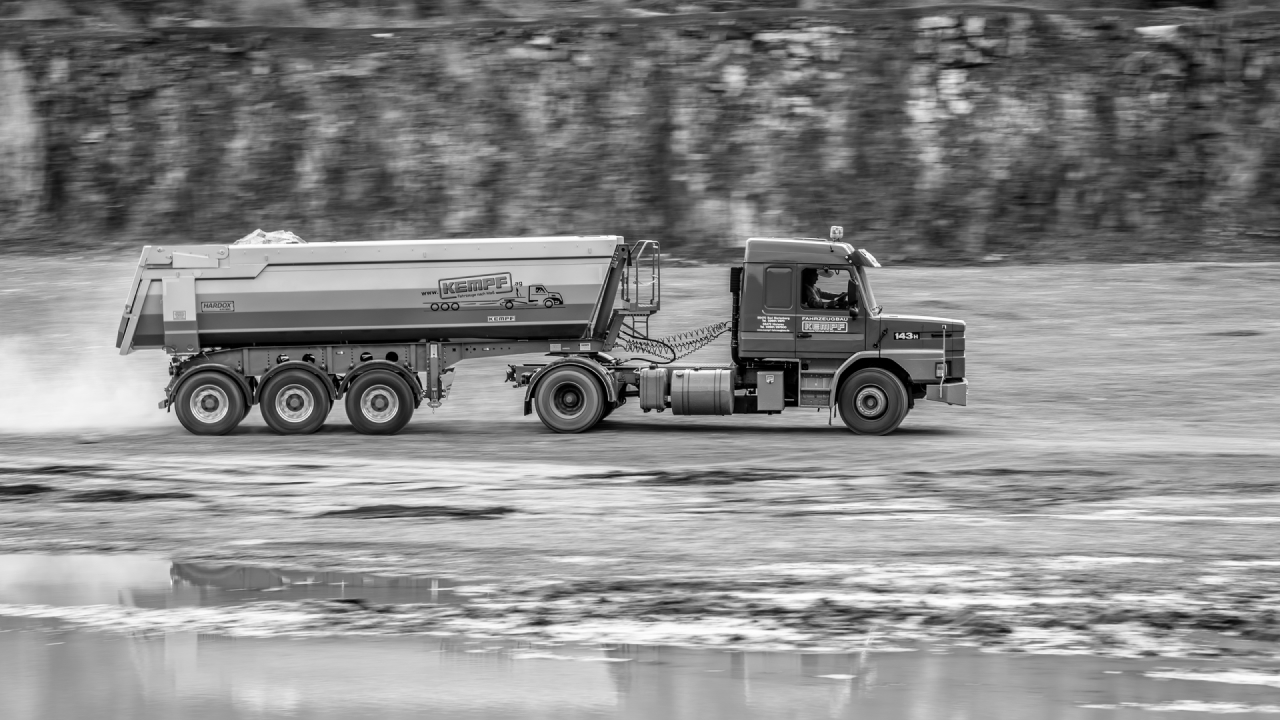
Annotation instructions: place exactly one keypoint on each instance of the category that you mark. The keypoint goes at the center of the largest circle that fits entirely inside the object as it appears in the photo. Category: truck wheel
(379, 402)
(549, 303)
(569, 400)
(873, 402)
(507, 304)
(210, 403)
(294, 402)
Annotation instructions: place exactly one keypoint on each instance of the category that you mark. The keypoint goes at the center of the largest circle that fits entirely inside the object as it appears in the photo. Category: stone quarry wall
(947, 134)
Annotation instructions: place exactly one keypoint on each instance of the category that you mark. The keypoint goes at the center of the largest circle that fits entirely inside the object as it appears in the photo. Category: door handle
(804, 335)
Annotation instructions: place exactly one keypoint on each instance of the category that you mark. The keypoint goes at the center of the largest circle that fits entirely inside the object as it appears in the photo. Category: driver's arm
(834, 300)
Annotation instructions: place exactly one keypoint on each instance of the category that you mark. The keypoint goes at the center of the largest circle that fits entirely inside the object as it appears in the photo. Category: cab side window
(828, 289)
(777, 288)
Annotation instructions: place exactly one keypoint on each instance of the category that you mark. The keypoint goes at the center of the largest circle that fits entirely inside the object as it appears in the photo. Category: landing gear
(210, 403)
(873, 402)
(569, 400)
(295, 402)
(379, 402)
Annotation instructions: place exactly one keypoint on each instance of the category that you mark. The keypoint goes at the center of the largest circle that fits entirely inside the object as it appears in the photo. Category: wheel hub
(379, 404)
(209, 404)
(871, 402)
(568, 400)
(295, 403)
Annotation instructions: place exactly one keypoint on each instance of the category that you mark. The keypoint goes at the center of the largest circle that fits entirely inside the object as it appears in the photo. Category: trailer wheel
(210, 403)
(569, 400)
(873, 402)
(295, 402)
(379, 402)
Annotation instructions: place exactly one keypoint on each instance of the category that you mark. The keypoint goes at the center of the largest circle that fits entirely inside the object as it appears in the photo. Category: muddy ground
(1112, 488)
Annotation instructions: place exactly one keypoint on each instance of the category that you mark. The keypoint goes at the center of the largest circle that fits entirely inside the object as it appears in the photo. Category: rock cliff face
(958, 133)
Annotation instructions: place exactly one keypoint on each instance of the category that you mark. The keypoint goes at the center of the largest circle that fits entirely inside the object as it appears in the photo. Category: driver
(812, 297)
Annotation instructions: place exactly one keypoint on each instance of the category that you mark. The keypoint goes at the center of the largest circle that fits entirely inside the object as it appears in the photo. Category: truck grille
(954, 354)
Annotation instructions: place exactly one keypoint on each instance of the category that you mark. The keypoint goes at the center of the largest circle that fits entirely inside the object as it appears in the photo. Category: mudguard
(368, 365)
(610, 387)
(299, 364)
(250, 397)
(840, 373)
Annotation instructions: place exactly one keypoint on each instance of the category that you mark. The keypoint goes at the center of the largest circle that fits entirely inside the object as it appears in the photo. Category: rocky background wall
(960, 133)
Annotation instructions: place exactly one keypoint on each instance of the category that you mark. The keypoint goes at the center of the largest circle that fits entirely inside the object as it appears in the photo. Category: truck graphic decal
(476, 286)
(492, 291)
(823, 325)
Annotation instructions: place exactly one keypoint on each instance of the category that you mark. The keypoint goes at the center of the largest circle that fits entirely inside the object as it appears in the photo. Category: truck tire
(294, 402)
(569, 399)
(873, 402)
(210, 403)
(379, 402)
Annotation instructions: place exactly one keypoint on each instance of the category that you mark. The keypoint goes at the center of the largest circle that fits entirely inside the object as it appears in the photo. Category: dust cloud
(62, 372)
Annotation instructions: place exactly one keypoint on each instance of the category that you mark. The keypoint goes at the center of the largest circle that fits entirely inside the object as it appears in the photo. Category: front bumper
(952, 392)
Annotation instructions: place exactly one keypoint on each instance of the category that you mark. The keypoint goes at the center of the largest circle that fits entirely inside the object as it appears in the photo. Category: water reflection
(227, 584)
(51, 672)
(80, 579)
(144, 581)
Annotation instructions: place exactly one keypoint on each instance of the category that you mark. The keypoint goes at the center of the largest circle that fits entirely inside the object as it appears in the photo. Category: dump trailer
(382, 326)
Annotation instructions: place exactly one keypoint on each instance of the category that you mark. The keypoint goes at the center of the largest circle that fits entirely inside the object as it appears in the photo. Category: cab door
(831, 332)
(768, 313)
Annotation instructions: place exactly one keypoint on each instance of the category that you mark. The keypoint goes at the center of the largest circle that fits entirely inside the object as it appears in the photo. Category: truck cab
(532, 295)
(539, 295)
(805, 312)
(806, 332)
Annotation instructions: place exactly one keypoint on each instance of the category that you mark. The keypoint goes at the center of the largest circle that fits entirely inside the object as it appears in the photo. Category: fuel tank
(187, 297)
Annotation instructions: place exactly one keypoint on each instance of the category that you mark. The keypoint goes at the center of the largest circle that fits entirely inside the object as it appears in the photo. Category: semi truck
(382, 326)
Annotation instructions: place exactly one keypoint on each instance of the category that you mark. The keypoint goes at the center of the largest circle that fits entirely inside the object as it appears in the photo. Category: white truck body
(185, 298)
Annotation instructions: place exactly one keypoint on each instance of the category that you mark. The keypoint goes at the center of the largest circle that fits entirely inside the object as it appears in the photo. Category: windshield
(870, 297)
